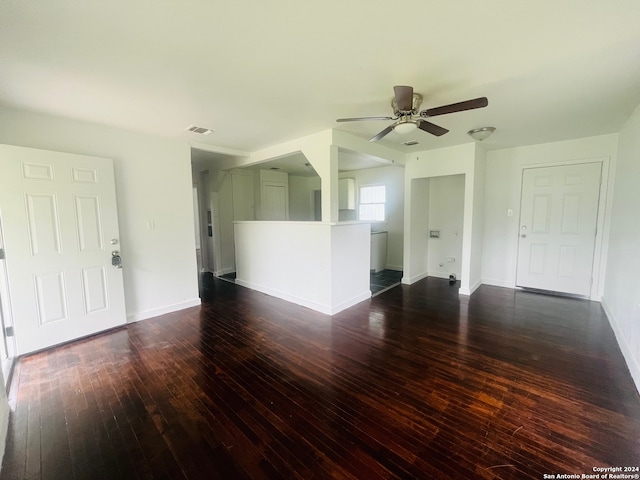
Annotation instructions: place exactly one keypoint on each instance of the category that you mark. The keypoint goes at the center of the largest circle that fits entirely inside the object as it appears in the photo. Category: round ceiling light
(481, 134)
(404, 128)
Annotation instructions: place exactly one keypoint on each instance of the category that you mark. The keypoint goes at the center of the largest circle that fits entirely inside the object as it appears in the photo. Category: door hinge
(1, 253)
(8, 332)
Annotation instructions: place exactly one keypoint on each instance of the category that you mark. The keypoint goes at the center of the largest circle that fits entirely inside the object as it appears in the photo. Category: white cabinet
(346, 194)
(378, 251)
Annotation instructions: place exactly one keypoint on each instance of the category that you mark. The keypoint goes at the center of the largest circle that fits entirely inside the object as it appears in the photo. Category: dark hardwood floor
(416, 383)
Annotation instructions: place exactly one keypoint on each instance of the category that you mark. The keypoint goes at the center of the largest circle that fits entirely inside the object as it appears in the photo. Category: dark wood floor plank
(416, 383)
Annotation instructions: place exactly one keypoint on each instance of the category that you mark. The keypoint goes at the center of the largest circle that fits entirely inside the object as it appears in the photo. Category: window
(372, 199)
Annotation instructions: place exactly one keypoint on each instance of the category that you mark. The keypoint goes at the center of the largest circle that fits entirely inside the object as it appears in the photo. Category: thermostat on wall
(434, 233)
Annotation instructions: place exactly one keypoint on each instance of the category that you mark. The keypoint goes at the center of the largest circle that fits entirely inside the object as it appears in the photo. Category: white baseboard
(498, 283)
(411, 280)
(397, 268)
(438, 275)
(350, 302)
(475, 286)
(156, 312)
(633, 363)
(469, 291)
(318, 307)
(224, 271)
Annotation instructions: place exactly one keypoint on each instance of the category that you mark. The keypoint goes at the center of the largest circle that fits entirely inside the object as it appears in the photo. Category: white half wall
(320, 265)
(155, 204)
(621, 298)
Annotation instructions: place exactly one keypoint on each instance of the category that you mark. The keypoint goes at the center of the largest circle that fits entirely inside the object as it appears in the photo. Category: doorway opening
(446, 222)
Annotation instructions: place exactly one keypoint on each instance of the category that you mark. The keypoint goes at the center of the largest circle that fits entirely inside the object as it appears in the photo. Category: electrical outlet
(451, 259)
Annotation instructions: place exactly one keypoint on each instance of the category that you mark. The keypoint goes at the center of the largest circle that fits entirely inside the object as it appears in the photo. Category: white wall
(477, 239)
(301, 201)
(222, 208)
(350, 261)
(503, 186)
(393, 179)
(416, 244)
(153, 184)
(320, 265)
(446, 214)
(621, 298)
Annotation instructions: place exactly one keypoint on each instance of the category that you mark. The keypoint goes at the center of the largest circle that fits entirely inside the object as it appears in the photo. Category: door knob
(523, 235)
(116, 259)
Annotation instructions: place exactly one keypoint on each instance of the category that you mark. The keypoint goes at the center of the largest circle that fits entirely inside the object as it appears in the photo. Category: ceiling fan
(406, 117)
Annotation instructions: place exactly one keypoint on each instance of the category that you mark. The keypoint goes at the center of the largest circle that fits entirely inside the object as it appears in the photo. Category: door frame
(8, 349)
(602, 223)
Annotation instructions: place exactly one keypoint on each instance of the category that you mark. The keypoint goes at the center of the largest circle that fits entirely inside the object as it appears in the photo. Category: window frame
(383, 203)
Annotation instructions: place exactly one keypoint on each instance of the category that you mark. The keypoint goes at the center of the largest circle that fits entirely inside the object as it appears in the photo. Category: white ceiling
(264, 72)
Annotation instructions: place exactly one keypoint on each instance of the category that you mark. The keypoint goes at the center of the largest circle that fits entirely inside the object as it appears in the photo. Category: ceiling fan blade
(382, 133)
(432, 128)
(404, 97)
(456, 107)
(357, 119)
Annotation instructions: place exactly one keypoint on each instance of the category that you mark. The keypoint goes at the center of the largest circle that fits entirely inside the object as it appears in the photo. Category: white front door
(558, 215)
(60, 230)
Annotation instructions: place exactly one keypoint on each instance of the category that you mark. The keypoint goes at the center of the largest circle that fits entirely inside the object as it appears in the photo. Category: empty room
(351, 240)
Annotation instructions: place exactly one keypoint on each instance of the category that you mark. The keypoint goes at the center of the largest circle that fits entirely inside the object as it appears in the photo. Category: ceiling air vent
(410, 143)
(201, 130)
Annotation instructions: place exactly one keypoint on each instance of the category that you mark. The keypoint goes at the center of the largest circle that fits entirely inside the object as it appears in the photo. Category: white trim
(136, 317)
(224, 271)
(414, 279)
(498, 283)
(350, 302)
(469, 291)
(397, 268)
(633, 363)
(216, 149)
(318, 307)
(439, 275)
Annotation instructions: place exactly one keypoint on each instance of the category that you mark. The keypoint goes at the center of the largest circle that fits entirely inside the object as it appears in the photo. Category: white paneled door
(60, 231)
(275, 201)
(558, 218)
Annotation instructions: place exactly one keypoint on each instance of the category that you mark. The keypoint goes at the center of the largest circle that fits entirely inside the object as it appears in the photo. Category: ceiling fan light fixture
(482, 133)
(405, 128)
